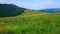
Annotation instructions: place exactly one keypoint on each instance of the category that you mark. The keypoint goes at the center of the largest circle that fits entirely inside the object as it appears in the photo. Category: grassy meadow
(31, 22)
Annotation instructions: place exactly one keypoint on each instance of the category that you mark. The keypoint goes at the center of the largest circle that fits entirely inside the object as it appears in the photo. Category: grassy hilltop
(31, 22)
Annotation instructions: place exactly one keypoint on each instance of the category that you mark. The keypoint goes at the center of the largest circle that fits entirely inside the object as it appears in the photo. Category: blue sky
(34, 4)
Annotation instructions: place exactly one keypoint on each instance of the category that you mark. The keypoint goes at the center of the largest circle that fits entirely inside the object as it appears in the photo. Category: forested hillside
(10, 10)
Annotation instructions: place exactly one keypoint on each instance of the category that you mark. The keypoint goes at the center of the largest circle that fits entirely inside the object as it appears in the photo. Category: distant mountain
(51, 10)
(10, 10)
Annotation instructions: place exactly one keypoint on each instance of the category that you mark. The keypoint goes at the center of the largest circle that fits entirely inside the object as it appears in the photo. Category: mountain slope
(10, 10)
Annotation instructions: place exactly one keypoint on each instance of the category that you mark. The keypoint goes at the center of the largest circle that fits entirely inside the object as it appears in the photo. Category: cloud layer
(34, 4)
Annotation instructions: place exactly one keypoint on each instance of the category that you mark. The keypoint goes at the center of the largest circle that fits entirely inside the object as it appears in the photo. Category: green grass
(39, 24)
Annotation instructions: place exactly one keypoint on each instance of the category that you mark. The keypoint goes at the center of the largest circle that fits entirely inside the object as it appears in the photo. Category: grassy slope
(30, 23)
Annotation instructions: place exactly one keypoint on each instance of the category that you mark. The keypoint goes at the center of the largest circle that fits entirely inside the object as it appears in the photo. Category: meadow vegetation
(31, 22)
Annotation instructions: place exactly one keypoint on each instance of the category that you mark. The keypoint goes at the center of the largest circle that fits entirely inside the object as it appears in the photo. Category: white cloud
(35, 4)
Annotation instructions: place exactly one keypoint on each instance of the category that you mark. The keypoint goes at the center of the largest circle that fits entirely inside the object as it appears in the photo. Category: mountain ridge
(51, 10)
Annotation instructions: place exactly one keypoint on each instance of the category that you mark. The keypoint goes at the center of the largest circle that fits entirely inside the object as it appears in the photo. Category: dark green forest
(7, 10)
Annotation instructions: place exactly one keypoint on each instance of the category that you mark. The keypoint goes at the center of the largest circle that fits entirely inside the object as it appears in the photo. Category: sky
(33, 4)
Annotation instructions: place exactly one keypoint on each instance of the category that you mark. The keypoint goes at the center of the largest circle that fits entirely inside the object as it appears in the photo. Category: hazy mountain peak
(51, 10)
